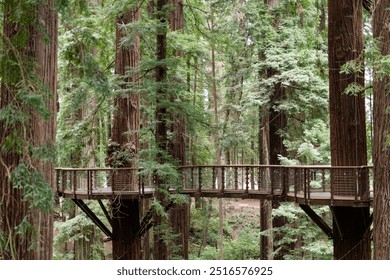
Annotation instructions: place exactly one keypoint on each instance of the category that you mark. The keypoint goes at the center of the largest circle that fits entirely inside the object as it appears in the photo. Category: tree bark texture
(125, 133)
(381, 151)
(179, 214)
(277, 121)
(126, 242)
(266, 242)
(180, 218)
(347, 124)
(37, 131)
(160, 249)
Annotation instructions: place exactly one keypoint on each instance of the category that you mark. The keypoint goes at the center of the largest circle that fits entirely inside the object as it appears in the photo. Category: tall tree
(179, 214)
(277, 122)
(27, 129)
(160, 249)
(125, 134)
(381, 151)
(347, 123)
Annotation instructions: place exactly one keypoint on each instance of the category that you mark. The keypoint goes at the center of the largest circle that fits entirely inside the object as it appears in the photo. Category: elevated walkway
(305, 185)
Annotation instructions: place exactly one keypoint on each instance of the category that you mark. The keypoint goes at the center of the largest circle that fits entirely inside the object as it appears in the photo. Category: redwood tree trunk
(381, 156)
(266, 241)
(277, 122)
(179, 214)
(347, 124)
(39, 57)
(160, 249)
(126, 244)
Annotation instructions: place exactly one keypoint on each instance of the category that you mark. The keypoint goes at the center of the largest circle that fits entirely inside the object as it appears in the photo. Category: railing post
(64, 181)
(235, 168)
(214, 178)
(285, 178)
(112, 180)
(89, 189)
(247, 179)
(222, 179)
(331, 185)
(297, 172)
(253, 171)
(357, 180)
(74, 183)
(192, 178)
(200, 178)
(323, 180)
(139, 179)
(309, 185)
(142, 176)
(305, 184)
(58, 180)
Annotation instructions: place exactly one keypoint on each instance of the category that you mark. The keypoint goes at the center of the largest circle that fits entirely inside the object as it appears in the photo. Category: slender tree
(28, 96)
(160, 249)
(277, 122)
(381, 151)
(179, 214)
(347, 124)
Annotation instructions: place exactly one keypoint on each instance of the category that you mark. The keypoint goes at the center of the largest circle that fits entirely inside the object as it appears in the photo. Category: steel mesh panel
(344, 182)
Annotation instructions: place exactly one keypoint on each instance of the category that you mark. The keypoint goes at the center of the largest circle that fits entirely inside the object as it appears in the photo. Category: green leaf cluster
(35, 189)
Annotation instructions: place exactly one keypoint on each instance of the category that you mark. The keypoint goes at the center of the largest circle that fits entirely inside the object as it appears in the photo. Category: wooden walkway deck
(308, 185)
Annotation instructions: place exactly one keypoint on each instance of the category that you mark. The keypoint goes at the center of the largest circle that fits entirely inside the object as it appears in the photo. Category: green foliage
(79, 228)
(255, 49)
(85, 89)
(35, 189)
(313, 244)
(240, 230)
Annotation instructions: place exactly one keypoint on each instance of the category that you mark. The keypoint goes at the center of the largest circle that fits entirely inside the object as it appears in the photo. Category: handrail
(297, 183)
(222, 165)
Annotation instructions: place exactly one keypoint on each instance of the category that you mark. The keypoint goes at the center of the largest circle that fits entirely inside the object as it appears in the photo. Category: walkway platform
(306, 185)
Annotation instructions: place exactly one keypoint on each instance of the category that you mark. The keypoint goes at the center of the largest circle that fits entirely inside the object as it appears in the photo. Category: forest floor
(232, 207)
(242, 205)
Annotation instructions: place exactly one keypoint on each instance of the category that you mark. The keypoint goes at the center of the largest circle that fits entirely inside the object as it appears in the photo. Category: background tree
(381, 151)
(347, 123)
(82, 120)
(125, 133)
(161, 229)
(179, 214)
(27, 126)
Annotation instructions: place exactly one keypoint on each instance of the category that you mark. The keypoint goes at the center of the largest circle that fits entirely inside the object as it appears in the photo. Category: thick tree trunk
(179, 214)
(381, 155)
(39, 56)
(125, 132)
(347, 123)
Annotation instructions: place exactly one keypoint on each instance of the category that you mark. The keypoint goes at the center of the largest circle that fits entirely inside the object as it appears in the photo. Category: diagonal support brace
(147, 222)
(92, 216)
(109, 219)
(317, 219)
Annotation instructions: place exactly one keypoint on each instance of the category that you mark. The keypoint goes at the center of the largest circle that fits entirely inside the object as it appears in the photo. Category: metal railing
(298, 182)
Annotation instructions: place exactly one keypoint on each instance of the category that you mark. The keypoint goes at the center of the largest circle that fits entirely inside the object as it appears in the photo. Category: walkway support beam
(318, 220)
(92, 216)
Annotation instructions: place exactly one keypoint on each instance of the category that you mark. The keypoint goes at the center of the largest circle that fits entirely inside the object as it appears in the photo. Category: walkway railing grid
(305, 182)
